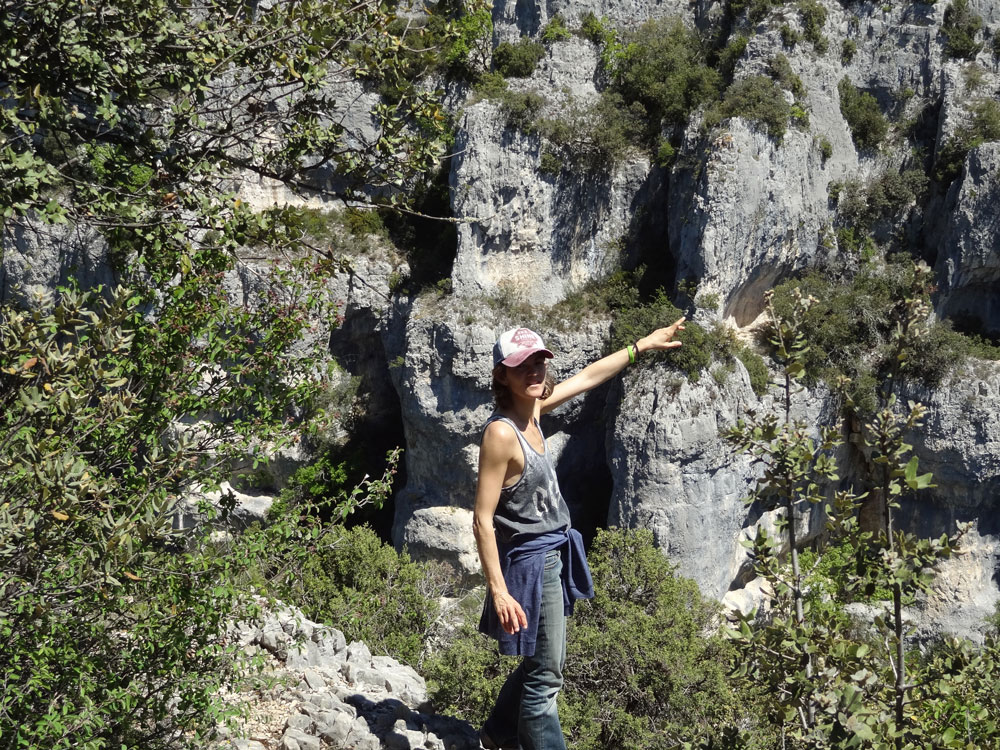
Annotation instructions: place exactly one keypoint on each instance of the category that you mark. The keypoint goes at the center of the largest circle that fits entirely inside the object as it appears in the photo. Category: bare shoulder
(499, 435)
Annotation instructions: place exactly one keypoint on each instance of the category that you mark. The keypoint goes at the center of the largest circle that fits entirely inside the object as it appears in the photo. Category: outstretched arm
(607, 367)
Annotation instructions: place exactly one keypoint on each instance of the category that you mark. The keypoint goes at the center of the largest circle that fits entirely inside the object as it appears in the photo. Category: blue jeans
(525, 713)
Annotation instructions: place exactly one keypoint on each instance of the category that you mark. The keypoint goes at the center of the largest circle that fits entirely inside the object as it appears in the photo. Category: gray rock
(675, 475)
(536, 235)
(336, 729)
(313, 679)
(358, 653)
(968, 262)
(301, 722)
(35, 258)
(293, 739)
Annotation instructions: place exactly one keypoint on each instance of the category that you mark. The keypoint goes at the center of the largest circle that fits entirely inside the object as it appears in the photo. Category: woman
(532, 559)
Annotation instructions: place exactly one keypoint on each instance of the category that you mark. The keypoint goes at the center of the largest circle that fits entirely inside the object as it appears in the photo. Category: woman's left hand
(662, 338)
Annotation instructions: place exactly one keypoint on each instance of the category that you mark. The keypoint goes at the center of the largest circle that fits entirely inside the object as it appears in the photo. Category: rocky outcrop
(529, 234)
(334, 694)
(968, 264)
(675, 474)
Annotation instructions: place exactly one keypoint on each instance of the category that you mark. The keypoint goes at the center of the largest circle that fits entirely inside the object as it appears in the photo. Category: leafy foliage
(830, 686)
(813, 18)
(642, 673)
(362, 586)
(556, 30)
(107, 612)
(861, 111)
(850, 328)
(757, 99)
(662, 67)
(517, 60)
(960, 26)
(983, 127)
(188, 95)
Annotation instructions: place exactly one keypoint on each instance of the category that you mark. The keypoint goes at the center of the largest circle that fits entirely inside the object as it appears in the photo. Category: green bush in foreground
(362, 586)
(643, 670)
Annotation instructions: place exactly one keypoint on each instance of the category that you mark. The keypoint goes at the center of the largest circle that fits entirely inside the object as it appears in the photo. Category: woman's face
(527, 380)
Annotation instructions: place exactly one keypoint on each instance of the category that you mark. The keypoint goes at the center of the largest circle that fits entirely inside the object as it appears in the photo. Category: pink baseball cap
(516, 345)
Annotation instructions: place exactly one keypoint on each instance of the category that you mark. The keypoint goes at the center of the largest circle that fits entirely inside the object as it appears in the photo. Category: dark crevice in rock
(356, 345)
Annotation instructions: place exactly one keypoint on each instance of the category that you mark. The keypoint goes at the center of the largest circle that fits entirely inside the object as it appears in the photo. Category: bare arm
(499, 443)
(607, 367)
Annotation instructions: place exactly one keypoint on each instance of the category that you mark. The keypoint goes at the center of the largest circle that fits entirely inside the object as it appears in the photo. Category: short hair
(501, 391)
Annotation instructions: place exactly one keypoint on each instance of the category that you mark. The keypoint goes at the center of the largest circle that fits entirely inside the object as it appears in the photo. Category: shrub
(730, 55)
(555, 30)
(864, 118)
(825, 148)
(550, 163)
(661, 65)
(596, 136)
(757, 99)
(850, 328)
(960, 26)
(521, 109)
(813, 16)
(781, 71)
(760, 377)
(632, 322)
(595, 29)
(357, 583)
(517, 60)
(113, 622)
(645, 667)
(848, 50)
(789, 36)
(983, 127)
(882, 199)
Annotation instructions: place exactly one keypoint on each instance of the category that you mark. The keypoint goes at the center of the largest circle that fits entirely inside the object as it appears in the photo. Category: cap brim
(522, 354)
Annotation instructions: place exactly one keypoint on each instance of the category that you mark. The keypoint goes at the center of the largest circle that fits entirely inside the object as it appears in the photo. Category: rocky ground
(318, 691)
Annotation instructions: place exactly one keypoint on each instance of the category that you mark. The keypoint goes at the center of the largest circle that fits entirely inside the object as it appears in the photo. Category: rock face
(674, 474)
(969, 263)
(531, 235)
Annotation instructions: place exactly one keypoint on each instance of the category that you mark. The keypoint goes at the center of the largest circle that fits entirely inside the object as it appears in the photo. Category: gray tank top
(533, 504)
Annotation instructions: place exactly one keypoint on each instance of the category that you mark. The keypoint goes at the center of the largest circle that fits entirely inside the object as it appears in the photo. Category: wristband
(630, 349)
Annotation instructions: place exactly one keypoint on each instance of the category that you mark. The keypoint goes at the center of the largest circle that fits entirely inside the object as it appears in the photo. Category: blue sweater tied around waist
(523, 565)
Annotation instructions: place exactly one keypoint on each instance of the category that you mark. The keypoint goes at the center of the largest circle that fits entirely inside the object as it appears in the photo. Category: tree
(140, 119)
(834, 685)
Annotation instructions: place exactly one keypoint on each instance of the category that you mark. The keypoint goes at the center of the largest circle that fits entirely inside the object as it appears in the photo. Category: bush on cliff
(354, 581)
(864, 117)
